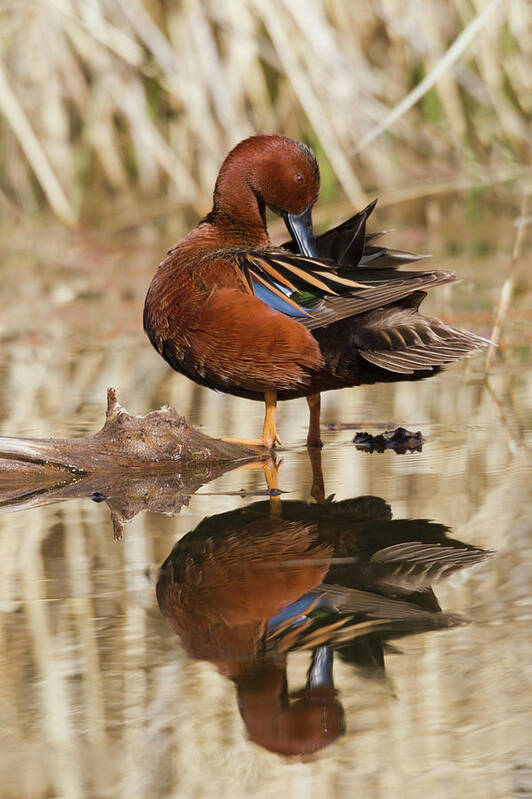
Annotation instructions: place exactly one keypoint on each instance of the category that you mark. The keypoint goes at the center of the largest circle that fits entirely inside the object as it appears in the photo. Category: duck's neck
(237, 209)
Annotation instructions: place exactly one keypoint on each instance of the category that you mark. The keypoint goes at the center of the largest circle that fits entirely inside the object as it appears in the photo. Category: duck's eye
(300, 179)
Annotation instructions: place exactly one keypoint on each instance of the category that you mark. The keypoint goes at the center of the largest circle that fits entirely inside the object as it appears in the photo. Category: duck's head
(296, 723)
(275, 172)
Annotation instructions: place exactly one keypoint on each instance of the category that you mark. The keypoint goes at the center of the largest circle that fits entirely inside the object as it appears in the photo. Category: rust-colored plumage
(238, 315)
(228, 587)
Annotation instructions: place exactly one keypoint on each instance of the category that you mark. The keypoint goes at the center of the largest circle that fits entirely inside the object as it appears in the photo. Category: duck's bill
(300, 228)
(320, 673)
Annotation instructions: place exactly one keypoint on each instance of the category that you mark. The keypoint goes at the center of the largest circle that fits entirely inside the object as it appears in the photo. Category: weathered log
(161, 438)
(152, 462)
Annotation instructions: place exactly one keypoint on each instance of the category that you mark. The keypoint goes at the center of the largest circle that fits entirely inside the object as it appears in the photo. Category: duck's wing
(319, 292)
(351, 254)
(380, 289)
(335, 615)
(343, 599)
(352, 277)
(326, 629)
(391, 334)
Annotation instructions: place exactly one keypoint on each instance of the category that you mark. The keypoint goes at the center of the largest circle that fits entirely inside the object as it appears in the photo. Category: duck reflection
(247, 587)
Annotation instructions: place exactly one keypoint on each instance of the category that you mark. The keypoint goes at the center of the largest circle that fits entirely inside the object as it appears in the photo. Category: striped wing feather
(356, 601)
(284, 297)
(313, 632)
(326, 310)
(295, 272)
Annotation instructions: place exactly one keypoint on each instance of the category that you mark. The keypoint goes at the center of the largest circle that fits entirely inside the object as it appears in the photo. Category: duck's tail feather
(400, 339)
(416, 565)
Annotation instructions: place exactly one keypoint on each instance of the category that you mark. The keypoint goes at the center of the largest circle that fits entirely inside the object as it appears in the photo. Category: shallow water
(100, 697)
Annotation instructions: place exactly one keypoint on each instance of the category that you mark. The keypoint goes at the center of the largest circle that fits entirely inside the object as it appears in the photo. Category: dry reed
(141, 100)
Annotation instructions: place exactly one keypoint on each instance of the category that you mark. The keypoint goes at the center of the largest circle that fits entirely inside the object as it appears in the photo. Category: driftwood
(161, 438)
(153, 462)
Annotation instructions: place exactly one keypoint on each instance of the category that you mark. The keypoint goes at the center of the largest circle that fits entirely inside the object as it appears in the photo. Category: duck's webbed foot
(262, 442)
(269, 438)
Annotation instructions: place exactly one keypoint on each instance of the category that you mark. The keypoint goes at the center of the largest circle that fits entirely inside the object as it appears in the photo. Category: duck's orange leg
(314, 437)
(269, 435)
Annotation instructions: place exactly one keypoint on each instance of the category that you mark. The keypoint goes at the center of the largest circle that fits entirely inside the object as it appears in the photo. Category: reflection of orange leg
(318, 489)
(269, 435)
(270, 469)
(313, 437)
(254, 464)
(271, 473)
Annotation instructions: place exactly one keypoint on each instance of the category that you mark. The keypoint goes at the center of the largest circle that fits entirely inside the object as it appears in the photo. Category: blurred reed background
(120, 112)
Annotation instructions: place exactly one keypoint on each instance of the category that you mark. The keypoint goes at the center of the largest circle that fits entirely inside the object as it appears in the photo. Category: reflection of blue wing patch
(276, 302)
(296, 611)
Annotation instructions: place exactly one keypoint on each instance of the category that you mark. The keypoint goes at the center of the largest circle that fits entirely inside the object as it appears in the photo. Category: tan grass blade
(454, 52)
(18, 120)
(505, 296)
(275, 25)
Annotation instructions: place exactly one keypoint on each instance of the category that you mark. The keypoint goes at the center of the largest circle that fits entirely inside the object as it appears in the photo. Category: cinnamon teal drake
(234, 313)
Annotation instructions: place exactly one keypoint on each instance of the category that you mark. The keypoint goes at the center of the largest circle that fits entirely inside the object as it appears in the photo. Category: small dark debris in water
(400, 440)
(97, 496)
(274, 492)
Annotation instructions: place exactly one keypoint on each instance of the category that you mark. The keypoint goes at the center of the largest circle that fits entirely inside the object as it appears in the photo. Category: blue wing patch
(296, 610)
(276, 302)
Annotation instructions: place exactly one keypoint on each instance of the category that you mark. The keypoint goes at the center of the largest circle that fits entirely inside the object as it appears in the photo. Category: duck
(239, 315)
(248, 587)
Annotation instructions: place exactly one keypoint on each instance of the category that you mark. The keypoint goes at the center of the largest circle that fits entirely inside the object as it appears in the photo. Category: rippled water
(102, 694)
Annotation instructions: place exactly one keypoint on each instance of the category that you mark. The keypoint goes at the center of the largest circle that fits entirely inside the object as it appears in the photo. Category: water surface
(99, 695)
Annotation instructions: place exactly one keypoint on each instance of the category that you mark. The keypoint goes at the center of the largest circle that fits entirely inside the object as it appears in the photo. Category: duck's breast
(200, 316)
